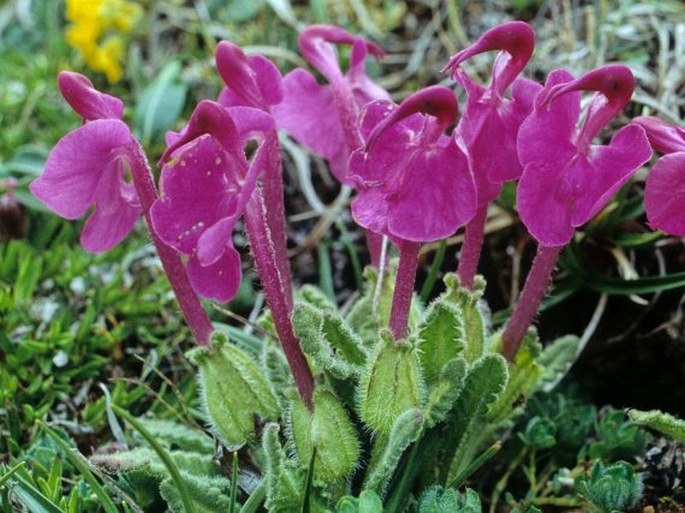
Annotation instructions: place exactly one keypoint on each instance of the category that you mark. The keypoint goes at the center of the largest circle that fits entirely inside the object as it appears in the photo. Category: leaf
(282, 486)
(207, 494)
(326, 432)
(163, 455)
(485, 383)
(442, 338)
(648, 285)
(442, 396)
(405, 431)
(77, 460)
(160, 104)
(234, 390)
(472, 318)
(34, 500)
(556, 359)
(390, 385)
(659, 421)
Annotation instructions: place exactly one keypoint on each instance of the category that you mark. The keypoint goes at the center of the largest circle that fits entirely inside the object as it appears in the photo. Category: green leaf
(77, 460)
(556, 359)
(32, 498)
(472, 319)
(442, 338)
(610, 489)
(180, 485)
(390, 385)
(207, 494)
(283, 489)
(659, 421)
(442, 396)
(326, 432)
(405, 431)
(4, 477)
(329, 341)
(485, 383)
(234, 390)
(160, 104)
(648, 285)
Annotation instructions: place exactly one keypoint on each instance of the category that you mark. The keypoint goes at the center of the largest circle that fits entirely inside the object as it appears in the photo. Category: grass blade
(76, 460)
(163, 455)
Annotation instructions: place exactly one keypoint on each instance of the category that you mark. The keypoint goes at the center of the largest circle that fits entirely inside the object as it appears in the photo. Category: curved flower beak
(211, 118)
(614, 83)
(88, 102)
(515, 38)
(437, 101)
(315, 43)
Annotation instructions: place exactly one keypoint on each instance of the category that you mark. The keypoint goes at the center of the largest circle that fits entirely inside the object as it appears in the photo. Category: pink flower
(414, 182)
(87, 167)
(324, 117)
(205, 186)
(566, 179)
(490, 123)
(665, 187)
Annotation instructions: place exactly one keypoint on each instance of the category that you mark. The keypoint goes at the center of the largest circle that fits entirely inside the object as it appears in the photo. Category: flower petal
(547, 133)
(116, 211)
(544, 203)
(199, 187)
(77, 163)
(219, 281)
(212, 243)
(437, 195)
(664, 193)
(370, 208)
(596, 179)
(88, 102)
(309, 114)
(664, 137)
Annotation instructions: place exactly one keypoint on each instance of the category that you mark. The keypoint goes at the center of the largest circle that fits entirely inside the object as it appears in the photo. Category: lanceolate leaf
(160, 104)
(659, 421)
(484, 384)
(442, 338)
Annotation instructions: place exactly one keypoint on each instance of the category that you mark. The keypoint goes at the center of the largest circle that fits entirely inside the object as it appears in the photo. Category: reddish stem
(530, 299)
(272, 187)
(470, 250)
(192, 310)
(374, 242)
(404, 288)
(263, 251)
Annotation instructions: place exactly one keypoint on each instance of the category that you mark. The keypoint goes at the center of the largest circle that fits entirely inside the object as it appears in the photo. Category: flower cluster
(96, 29)
(421, 171)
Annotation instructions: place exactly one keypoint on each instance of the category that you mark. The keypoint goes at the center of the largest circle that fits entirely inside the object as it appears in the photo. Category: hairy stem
(191, 308)
(470, 250)
(263, 251)
(530, 299)
(272, 187)
(404, 288)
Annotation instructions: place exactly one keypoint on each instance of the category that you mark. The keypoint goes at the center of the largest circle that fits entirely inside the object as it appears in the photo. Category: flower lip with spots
(88, 166)
(206, 183)
(566, 179)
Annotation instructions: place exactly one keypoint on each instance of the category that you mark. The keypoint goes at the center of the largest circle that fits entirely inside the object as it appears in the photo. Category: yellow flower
(96, 29)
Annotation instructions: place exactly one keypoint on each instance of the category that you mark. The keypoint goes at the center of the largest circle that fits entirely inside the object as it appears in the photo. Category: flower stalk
(530, 299)
(404, 288)
(470, 250)
(193, 312)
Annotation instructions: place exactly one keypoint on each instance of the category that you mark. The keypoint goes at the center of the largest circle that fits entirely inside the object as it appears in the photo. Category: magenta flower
(205, 186)
(324, 117)
(665, 187)
(567, 180)
(87, 167)
(489, 116)
(414, 183)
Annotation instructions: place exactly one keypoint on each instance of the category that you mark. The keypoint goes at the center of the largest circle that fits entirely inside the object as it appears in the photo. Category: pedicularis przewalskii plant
(393, 403)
